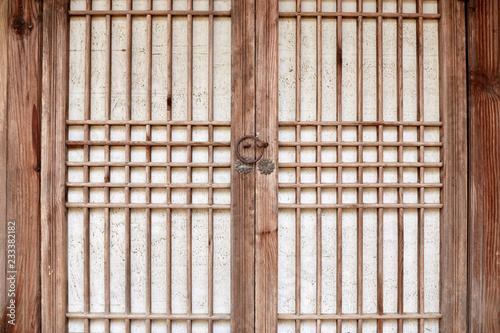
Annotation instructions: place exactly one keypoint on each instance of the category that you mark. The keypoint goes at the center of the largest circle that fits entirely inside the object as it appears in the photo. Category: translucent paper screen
(359, 166)
(148, 183)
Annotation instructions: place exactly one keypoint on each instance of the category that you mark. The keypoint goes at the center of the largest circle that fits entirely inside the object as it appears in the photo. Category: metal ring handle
(258, 143)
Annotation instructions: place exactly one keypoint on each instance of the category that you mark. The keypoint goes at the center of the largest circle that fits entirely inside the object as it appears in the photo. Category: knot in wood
(19, 24)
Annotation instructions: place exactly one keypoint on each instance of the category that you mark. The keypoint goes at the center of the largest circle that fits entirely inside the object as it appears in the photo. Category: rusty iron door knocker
(258, 143)
(245, 165)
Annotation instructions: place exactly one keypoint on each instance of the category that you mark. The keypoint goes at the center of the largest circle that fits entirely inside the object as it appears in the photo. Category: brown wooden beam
(484, 165)
(4, 57)
(53, 172)
(242, 185)
(266, 185)
(20, 102)
(453, 103)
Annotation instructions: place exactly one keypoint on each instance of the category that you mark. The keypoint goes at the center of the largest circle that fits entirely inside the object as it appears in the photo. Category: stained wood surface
(243, 185)
(52, 199)
(484, 162)
(20, 102)
(266, 186)
(453, 104)
(4, 56)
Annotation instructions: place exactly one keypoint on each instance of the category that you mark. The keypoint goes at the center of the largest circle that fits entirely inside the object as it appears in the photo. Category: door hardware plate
(266, 166)
(243, 167)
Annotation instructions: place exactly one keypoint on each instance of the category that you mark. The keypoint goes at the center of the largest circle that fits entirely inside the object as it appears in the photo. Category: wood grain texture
(339, 267)
(453, 105)
(211, 250)
(484, 163)
(4, 56)
(298, 131)
(53, 171)
(380, 170)
(266, 186)
(21, 149)
(243, 185)
(399, 80)
(107, 153)
(319, 134)
(420, 136)
(189, 213)
(359, 151)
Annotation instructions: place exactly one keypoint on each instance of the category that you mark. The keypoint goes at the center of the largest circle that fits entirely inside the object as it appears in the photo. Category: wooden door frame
(483, 24)
(20, 102)
(53, 199)
(453, 104)
(250, 68)
(266, 186)
(242, 185)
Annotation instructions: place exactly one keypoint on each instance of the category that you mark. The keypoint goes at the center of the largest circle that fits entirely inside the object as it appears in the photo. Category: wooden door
(143, 136)
(361, 226)
(357, 221)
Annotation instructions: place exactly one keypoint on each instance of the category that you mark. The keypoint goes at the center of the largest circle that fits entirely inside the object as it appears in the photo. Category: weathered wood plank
(266, 187)
(453, 104)
(4, 50)
(242, 185)
(22, 163)
(484, 172)
(53, 171)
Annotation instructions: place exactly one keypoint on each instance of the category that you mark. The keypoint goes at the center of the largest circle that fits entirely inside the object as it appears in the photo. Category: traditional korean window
(148, 166)
(157, 214)
(360, 163)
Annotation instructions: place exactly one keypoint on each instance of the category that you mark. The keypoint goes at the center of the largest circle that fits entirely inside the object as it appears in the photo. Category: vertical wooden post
(4, 57)
(453, 104)
(266, 185)
(20, 100)
(484, 165)
(53, 196)
(242, 185)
